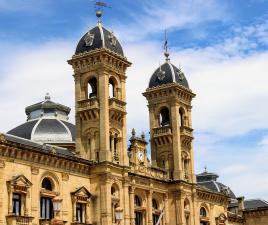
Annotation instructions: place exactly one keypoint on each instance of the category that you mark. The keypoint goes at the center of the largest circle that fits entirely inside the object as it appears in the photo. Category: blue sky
(221, 46)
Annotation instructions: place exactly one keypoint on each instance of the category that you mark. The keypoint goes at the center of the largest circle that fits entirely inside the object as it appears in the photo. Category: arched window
(203, 216)
(164, 117)
(138, 214)
(46, 184)
(92, 88)
(186, 167)
(111, 88)
(182, 123)
(203, 212)
(137, 201)
(46, 206)
(155, 212)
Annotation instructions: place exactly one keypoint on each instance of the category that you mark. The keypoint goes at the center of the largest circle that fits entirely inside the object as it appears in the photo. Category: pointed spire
(143, 135)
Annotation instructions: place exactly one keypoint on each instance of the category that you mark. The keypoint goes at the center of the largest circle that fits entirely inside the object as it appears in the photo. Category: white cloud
(30, 72)
(156, 16)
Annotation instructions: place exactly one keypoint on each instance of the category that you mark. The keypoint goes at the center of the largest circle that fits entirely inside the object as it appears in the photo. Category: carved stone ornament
(221, 219)
(2, 138)
(180, 74)
(161, 75)
(112, 39)
(35, 170)
(65, 176)
(52, 150)
(89, 39)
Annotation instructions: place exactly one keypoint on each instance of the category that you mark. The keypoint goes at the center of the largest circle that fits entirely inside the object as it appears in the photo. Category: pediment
(82, 192)
(20, 180)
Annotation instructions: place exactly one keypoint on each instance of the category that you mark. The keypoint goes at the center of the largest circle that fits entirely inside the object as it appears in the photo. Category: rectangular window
(138, 218)
(46, 208)
(16, 202)
(155, 219)
(79, 212)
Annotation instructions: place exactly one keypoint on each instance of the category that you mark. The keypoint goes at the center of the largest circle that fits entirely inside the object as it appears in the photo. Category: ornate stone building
(52, 172)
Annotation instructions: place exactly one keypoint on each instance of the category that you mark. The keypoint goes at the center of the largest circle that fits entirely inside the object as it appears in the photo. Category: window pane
(16, 202)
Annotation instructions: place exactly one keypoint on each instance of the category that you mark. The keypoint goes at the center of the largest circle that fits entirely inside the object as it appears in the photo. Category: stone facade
(103, 181)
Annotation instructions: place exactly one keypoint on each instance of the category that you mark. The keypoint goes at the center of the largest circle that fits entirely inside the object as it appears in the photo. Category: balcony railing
(186, 131)
(117, 104)
(19, 220)
(161, 131)
(88, 104)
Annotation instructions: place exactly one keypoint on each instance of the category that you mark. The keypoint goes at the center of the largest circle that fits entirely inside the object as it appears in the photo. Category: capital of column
(131, 189)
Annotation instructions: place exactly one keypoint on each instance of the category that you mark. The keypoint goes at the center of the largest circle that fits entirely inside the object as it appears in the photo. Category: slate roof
(251, 204)
(47, 123)
(101, 38)
(209, 181)
(42, 147)
(168, 73)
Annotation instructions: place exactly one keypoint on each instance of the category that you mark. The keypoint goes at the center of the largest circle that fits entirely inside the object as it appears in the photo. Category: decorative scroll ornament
(112, 39)
(89, 39)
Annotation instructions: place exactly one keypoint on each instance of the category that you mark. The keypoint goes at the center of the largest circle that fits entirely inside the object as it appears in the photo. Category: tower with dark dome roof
(99, 71)
(169, 100)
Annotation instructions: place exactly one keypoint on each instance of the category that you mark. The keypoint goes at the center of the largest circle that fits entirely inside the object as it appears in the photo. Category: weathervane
(166, 46)
(99, 9)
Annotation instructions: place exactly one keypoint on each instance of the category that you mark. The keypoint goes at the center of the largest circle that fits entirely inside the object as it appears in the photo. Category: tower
(99, 72)
(169, 101)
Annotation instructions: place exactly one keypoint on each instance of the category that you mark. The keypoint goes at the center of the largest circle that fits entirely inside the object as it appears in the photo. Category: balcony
(162, 135)
(117, 104)
(91, 103)
(162, 131)
(186, 131)
(19, 220)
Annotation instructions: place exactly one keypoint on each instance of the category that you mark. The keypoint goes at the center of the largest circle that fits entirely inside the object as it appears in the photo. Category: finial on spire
(47, 97)
(99, 9)
(166, 53)
(133, 132)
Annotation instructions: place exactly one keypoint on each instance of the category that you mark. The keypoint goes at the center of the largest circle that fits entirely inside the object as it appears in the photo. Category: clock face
(140, 156)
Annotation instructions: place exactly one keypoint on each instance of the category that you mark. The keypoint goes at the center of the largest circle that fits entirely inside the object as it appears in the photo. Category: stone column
(74, 200)
(88, 213)
(152, 125)
(103, 85)
(126, 202)
(10, 196)
(149, 207)
(176, 142)
(105, 202)
(131, 205)
(123, 153)
(166, 210)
